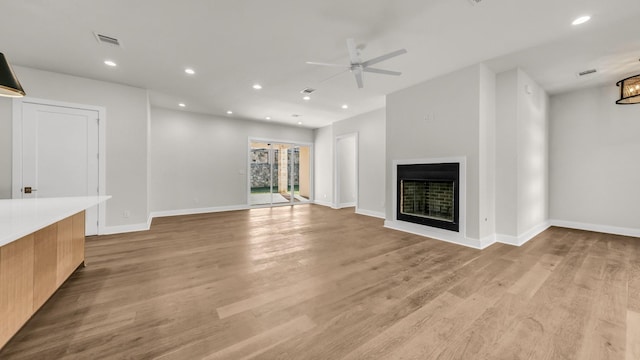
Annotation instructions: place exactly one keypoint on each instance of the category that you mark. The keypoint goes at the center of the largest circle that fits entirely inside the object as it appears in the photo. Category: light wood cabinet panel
(78, 239)
(16, 286)
(65, 250)
(45, 269)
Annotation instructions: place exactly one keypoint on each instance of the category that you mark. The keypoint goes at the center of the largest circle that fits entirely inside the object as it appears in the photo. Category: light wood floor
(314, 283)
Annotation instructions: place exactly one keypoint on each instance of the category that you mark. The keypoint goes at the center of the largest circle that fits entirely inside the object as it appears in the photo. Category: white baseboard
(487, 241)
(375, 214)
(121, 229)
(597, 228)
(524, 237)
(164, 213)
(346, 205)
(324, 203)
(434, 233)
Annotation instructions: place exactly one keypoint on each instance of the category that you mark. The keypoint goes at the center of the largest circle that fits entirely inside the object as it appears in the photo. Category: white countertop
(21, 217)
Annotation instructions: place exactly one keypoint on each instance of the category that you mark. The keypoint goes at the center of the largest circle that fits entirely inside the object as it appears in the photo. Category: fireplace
(428, 194)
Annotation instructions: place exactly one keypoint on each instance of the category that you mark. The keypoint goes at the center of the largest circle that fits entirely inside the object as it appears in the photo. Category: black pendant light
(9, 84)
(629, 90)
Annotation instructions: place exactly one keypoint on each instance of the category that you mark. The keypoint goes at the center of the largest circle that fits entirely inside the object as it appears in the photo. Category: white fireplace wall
(438, 119)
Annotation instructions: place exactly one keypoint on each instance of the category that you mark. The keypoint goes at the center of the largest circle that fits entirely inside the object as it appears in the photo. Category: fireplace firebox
(428, 194)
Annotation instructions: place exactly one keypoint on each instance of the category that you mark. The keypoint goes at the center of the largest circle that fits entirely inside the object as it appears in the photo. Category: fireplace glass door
(432, 199)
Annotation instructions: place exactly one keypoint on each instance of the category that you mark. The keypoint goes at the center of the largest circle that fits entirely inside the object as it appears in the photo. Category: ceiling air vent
(586, 72)
(307, 91)
(104, 39)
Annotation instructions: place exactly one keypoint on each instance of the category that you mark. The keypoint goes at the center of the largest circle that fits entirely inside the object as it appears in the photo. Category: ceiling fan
(357, 66)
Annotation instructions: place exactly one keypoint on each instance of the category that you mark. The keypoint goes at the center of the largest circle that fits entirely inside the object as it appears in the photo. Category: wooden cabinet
(32, 268)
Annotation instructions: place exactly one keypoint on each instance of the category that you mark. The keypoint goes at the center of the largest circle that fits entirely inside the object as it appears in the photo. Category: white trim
(336, 175)
(461, 235)
(324, 203)
(346, 205)
(524, 237)
(121, 229)
(375, 214)
(488, 241)
(16, 168)
(434, 233)
(165, 213)
(597, 228)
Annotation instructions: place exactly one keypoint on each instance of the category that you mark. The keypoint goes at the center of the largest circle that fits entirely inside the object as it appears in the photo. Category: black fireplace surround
(428, 194)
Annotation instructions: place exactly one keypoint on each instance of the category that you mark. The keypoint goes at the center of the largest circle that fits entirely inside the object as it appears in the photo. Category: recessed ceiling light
(307, 98)
(189, 71)
(257, 86)
(182, 105)
(345, 106)
(229, 112)
(110, 63)
(581, 20)
(268, 118)
(299, 122)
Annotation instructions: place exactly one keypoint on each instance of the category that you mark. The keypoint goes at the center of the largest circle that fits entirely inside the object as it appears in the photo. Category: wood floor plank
(309, 282)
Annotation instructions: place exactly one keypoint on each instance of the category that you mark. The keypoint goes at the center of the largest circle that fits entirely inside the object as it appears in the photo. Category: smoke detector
(307, 91)
(104, 39)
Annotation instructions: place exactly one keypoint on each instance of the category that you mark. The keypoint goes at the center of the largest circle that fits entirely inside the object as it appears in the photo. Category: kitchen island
(41, 245)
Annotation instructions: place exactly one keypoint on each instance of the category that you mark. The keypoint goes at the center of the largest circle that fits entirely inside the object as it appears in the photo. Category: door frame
(336, 169)
(287, 142)
(16, 168)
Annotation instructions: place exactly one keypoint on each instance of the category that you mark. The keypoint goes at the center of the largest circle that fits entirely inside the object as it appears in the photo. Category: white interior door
(60, 154)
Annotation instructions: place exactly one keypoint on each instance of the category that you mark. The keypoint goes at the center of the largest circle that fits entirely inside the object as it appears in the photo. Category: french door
(279, 173)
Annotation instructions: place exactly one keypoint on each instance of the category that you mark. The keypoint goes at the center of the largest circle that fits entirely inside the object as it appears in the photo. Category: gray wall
(323, 163)
(522, 154)
(370, 128)
(435, 119)
(595, 159)
(200, 161)
(126, 136)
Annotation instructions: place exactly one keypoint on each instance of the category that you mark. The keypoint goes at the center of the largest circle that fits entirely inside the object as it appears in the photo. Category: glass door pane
(281, 192)
(261, 157)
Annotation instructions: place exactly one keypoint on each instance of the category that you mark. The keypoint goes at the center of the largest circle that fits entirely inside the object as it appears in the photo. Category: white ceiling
(233, 44)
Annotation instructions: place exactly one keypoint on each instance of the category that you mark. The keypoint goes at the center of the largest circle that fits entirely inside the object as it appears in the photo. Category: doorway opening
(279, 173)
(346, 171)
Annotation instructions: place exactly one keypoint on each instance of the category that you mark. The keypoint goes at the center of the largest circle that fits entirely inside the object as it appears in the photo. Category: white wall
(126, 136)
(346, 171)
(370, 128)
(323, 164)
(487, 153)
(200, 161)
(521, 157)
(595, 161)
(6, 145)
(533, 158)
(435, 119)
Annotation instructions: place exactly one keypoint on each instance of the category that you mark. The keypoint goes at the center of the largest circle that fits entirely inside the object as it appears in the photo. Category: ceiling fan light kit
(629, 90)
(358, 67)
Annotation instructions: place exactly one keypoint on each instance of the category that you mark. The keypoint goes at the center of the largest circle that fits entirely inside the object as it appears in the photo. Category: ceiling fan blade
(326, 64)
(353, 51)
(332, 76)
(381, 71)
(358, 74)
(384, 57)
